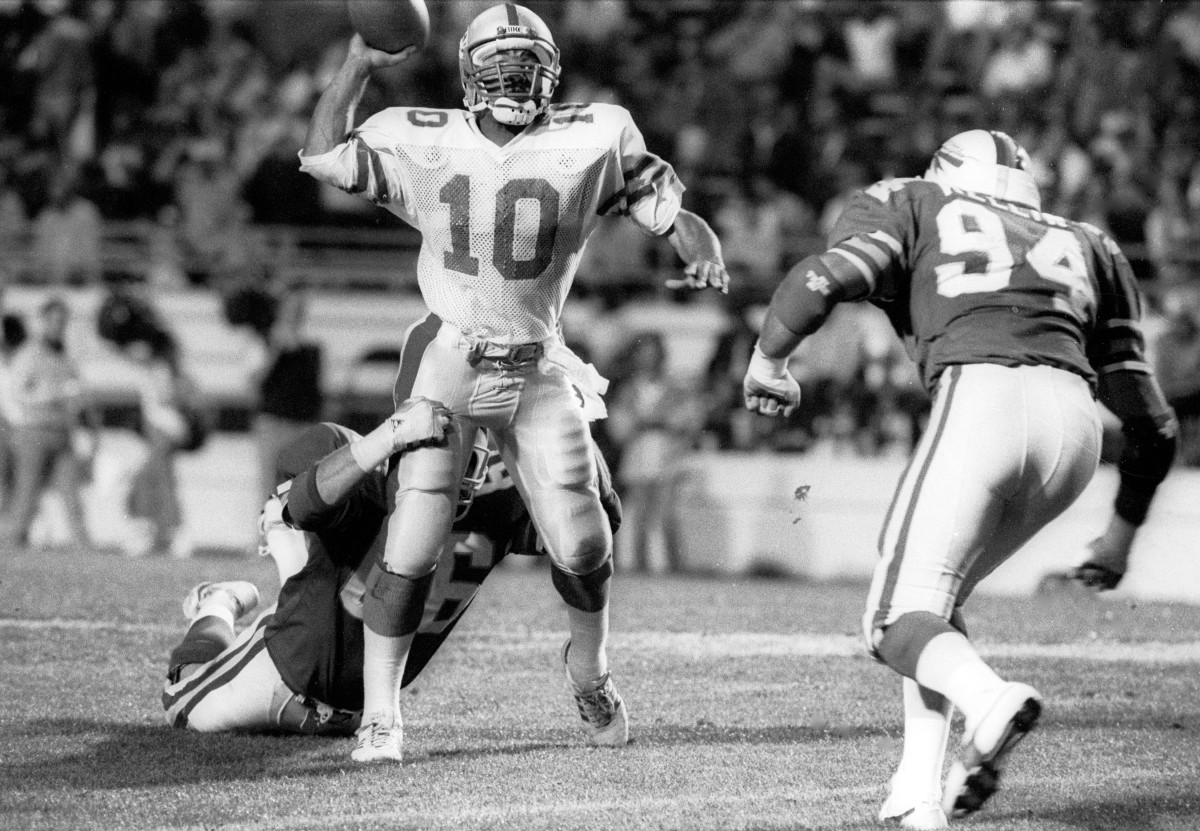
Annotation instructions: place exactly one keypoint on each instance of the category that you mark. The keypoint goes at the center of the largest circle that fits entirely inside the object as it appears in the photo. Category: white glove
(417, 422)
(768, 387)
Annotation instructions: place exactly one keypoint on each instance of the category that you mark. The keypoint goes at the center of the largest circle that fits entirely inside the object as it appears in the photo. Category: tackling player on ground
(298, 667)
(1016, 320)
(505, 194)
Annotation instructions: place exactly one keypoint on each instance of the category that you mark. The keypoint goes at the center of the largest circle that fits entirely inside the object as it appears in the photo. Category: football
(390, 25)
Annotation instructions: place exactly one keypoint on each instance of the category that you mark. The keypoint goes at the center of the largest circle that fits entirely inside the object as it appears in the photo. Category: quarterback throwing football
(1016, 320)
(505, 193)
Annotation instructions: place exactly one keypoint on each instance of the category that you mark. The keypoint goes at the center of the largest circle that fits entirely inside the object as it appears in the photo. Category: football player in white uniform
(505, 193)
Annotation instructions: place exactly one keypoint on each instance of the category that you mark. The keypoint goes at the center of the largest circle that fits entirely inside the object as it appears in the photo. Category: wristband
(373, 449)
(763, 366)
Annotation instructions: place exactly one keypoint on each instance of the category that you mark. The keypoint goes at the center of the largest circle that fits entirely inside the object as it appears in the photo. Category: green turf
(722, 740)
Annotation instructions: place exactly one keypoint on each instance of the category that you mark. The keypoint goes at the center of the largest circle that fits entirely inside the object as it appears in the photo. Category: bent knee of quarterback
(586, 592)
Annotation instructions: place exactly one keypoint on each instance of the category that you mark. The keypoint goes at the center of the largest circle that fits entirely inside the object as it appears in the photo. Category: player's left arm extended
(697, 245)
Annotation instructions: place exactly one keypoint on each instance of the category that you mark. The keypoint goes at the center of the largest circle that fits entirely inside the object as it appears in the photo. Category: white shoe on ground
(605, 719)
(912, 810)
(380, 739)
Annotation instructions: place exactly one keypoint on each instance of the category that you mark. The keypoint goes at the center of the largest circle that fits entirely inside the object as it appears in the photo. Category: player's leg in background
(217, 680)
(548, 450)
(34, 455)
(69, 478)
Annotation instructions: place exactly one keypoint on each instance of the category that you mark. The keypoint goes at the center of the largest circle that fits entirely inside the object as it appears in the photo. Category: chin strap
(515, 113)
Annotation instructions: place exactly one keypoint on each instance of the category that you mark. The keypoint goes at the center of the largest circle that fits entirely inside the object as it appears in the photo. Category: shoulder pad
(410, 121)
(883, 189)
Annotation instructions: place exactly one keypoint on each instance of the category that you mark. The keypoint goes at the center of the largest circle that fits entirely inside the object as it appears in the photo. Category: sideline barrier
(736, 513)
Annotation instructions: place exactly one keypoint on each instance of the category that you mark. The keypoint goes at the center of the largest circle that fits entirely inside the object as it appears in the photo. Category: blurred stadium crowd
(181, 119)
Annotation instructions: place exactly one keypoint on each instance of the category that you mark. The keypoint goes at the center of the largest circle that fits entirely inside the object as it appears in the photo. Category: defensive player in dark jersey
(298, 667)
(1017, 320)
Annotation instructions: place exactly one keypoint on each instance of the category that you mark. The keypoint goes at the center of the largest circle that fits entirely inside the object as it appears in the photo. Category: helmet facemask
(509, 66)
(474, 476)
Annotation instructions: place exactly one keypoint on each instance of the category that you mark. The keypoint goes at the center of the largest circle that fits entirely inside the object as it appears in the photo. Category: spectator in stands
(654, 423)
(67, 234)
(759, 225)
(1173, 222)
(14, 335)
(46, 405)
(64, 86)
(728, 426)
(213, 220)
(290, 396)
(167, 404)
(14, 217)
(1177, 362)
(615, 262)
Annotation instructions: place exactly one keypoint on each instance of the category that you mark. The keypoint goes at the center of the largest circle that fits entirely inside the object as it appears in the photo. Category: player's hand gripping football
(377, 58)
(418, 422)
(701, 275)
(769, 388)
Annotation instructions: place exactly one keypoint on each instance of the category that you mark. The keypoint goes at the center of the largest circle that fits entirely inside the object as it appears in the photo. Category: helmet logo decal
(949, 159)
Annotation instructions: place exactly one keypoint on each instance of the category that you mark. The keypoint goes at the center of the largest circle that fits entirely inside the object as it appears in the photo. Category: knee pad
(585, 592)
(393, 604)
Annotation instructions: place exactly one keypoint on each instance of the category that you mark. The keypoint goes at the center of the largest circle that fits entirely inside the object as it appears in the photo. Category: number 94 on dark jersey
(968, 278)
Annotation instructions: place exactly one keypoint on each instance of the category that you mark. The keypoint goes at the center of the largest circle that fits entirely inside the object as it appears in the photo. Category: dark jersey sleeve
(304, 509)
(1117, 341)
(868, 245)
(310, 447)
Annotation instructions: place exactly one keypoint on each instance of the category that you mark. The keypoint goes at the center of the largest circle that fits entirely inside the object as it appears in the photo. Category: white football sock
(384, 659)
(951, 666)
(587, 660)
(216, 607)
(927, 717)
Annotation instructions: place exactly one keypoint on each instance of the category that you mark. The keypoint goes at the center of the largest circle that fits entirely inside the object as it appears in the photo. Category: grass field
(752, 707)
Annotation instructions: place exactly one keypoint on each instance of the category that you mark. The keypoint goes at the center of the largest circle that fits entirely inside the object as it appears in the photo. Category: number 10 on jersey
(539, 197)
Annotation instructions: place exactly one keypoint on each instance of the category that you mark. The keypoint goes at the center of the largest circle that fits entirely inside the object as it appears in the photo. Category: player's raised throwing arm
(334, 114)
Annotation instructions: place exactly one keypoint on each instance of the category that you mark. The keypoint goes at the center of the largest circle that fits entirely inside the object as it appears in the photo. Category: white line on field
(562, 809)
(721, 645)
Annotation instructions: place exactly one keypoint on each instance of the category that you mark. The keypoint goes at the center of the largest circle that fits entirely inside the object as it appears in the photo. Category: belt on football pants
(500, 355)
(503, 356)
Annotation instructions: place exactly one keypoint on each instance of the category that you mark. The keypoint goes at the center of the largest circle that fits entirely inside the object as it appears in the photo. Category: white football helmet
(509, 64)
(985, 161)
(475, 474)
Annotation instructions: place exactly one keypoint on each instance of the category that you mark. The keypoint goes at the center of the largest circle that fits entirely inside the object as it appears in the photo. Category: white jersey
(503, 228)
